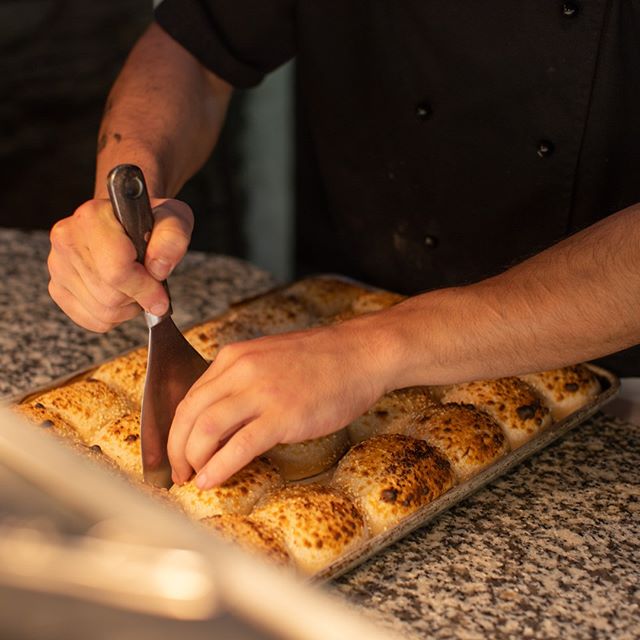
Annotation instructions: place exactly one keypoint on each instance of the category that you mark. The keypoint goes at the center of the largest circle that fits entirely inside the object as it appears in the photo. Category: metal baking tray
(610, 385)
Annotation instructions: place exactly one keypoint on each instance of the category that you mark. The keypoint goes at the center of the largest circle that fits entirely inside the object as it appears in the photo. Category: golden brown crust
(375, 301)
(306, 459)
(395, 412)
(236, 495)
(209, 337)
(565, 390)
(318, 523)
(512, 403)
(469, 439)
(255, 537)
(325, 296)
(86, 405)
(38, 414)
(120, 442)
(390, 476)
(273, 314)
(125, 375)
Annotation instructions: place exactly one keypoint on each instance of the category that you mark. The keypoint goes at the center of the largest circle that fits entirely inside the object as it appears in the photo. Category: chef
(483, 157)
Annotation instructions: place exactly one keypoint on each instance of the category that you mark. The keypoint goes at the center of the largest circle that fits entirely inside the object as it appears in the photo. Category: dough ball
(390, 476)
(318, 523)
(395, 412)
(237, 495)
(306, 459)
(470, 440)
(375, 301)
(120, 442)
(255, 537)
(86, 405)
(565, 390)
(325, 296)
(126, 375)
(512, 403)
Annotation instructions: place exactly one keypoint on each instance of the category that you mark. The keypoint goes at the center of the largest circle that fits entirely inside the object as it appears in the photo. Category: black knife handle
(130, 202)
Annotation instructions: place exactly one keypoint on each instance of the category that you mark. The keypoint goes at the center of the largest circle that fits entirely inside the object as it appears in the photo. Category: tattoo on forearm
(103, 139)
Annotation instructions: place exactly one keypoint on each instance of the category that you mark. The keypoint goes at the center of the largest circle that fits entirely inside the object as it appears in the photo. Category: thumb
(170, 237)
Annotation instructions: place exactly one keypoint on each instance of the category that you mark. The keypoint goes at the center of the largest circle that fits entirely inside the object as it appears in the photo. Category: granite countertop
(551, 550)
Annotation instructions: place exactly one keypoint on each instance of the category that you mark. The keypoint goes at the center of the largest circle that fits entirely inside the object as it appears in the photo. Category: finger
(115, 311)
(82, 262)
(117, 267)
(230, 359)
(113, 257)
(214, 425)
(250, 441)
(170, 237)
(187, 413)
(70, 305)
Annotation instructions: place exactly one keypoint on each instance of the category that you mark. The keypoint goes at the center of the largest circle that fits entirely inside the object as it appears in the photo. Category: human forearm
(164, 113)
(573, 302)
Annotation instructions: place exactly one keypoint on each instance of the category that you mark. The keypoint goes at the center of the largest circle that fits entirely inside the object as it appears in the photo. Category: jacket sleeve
(239, 40)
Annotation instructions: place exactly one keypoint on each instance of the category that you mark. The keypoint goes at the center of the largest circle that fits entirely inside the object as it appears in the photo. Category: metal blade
(173, 366)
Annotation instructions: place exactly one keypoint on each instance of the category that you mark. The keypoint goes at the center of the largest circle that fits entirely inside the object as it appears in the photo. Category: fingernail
(160, 269)
(159, 308)
(201, 481)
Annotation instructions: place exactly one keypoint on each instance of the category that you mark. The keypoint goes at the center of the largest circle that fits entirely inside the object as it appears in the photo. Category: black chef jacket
(452, 138)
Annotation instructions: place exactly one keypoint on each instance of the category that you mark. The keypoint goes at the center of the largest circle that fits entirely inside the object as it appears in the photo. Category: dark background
(58, 59)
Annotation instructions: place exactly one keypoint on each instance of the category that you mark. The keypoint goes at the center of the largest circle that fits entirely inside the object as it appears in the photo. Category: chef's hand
(278, 389)
(95, 278)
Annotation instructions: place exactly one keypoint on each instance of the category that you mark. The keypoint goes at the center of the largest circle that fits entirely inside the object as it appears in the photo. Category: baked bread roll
(324, 296)
(273, 314)
(68, 436)
(120, 442)
(318, 523)
(300, 460)
(565, 390)
(209, 337)
(86, 405)
(126, 375)
(38, 414)
(470, 440)
(512, 403)
(390, 476)
(237, 495)
(259, 538)
(375, 301)
(394, 412)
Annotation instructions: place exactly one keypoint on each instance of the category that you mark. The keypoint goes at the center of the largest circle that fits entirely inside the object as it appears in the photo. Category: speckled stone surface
(552, 550)
(38, 343)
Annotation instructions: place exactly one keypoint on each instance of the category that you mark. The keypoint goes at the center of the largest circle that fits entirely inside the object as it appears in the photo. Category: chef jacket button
(545, 148)
(570, 9)
(431, 242)
(423, 111)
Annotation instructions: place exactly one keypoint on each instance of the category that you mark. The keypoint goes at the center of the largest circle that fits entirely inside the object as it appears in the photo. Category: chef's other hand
(277, 389)
(95, 278)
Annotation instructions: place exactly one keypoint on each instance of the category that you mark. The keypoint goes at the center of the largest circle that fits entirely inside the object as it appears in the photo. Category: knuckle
(247, 367)
(174, 453)
(194, 456)
(111, 299)
(183, 410)
(54, 292)
(228, 353)
(114, 274)
(60, 233)
(107, 315)
(243, 445)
